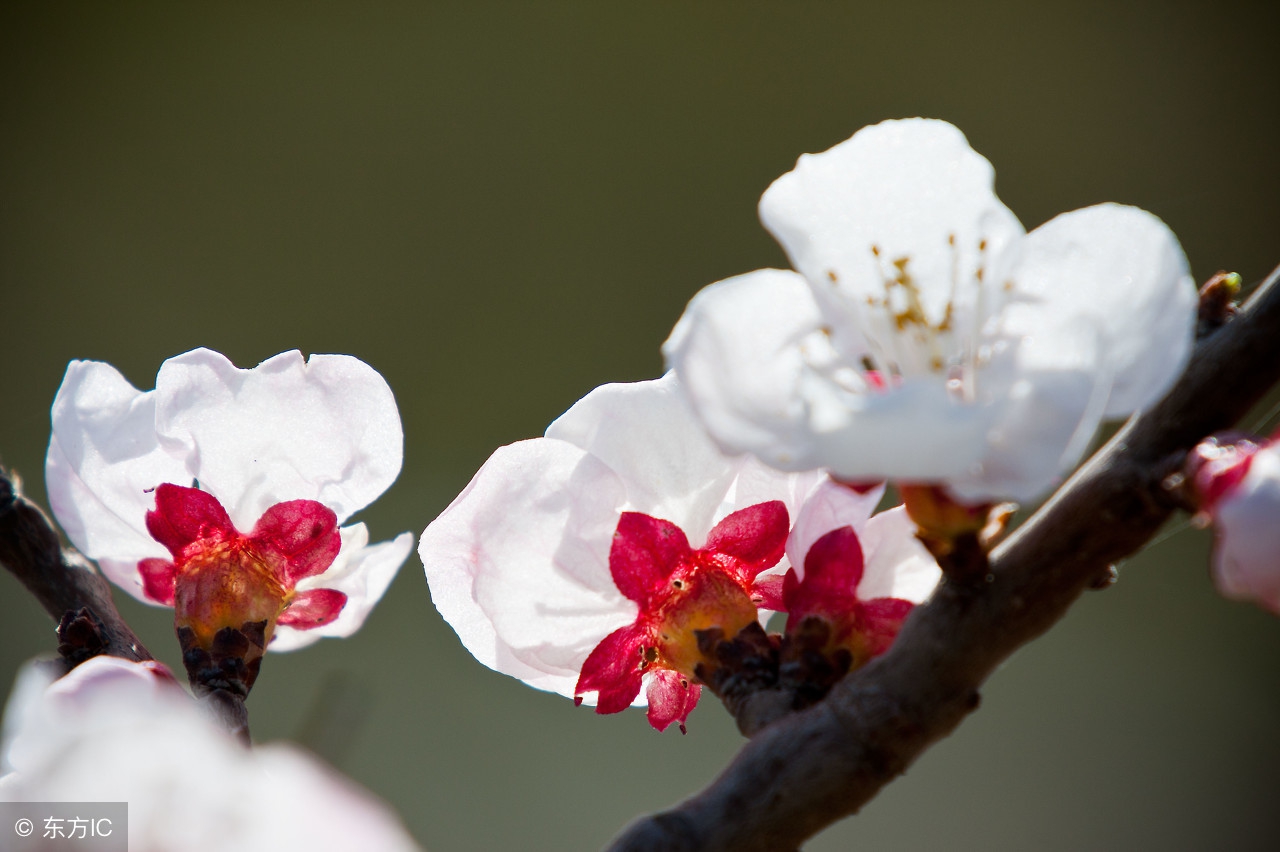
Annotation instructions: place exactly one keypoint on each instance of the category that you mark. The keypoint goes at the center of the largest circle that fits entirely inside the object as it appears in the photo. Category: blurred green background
(501, 206)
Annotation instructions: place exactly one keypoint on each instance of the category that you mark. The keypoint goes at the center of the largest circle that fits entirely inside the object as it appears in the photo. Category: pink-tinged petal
(647, 434)
(613, 670)
(767, 591)
(518, 564)
(759, 483)
(158, 576)
(671, 698)
(304, 532)
(183, 515)
(104, 460)
(41, 708)
(832, 569)
(830, 505)
(1246, 554)
(896, 564)
(362, 572)
(755, 537)
(313, 609)
(74, 505)
(326, 429)
(644, 553)
(881, 620)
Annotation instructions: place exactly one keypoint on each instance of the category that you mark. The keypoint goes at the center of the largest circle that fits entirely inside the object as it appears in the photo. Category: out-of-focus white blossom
(113, 730)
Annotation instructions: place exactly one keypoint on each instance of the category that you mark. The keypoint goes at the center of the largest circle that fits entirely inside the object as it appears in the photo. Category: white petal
(1122, 268)
(1047, 399)
(830, 507)
(910, 189)
(1246, 556)
(362, 572)
(766, 380)
(22, 710)
(104, 461)
(759, 483)
(917, 431)
(327, 812)
(742, 351)
(896, 564)
(518, 564)
(43, 705)
(647, 434)
(325, 430)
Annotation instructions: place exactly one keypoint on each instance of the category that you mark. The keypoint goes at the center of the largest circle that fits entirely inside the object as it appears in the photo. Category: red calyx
(680, 591)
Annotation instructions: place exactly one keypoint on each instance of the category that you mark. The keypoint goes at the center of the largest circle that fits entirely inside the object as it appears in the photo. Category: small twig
(803, 771)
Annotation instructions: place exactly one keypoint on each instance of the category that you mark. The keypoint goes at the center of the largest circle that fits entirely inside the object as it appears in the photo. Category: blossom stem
(803, 771)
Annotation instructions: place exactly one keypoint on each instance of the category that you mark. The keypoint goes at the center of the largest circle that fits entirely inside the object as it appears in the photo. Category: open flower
(221, 493)
(114, 730)
(584, 562)
(924, 336)
(1237, 482)
(853, 584)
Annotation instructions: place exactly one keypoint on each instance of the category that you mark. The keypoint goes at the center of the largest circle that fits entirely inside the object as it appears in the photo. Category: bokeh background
(502, 205)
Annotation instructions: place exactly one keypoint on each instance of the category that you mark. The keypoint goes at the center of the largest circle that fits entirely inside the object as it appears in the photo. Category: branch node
(80, 636)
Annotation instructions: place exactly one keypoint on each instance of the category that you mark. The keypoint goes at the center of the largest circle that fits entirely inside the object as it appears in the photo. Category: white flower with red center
(113, 731)
(858, 578)
(924, 336)
(221, 493)
(679, 591)
(585, 562)
(1237, 482)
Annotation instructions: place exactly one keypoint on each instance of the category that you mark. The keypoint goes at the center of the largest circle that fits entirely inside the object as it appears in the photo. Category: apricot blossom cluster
(588, 562)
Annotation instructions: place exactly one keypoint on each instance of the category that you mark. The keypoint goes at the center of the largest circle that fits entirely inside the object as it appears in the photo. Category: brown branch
(803, 771)
(65, 583)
